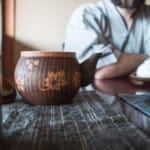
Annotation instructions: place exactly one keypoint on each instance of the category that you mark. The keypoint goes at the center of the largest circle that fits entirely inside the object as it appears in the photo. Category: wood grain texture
(90, 122)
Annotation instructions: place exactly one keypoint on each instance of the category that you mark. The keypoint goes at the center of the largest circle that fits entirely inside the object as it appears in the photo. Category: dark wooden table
(114, 87)
(96, 119)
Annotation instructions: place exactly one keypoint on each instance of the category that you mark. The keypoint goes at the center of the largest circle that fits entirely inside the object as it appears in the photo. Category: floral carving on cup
(20, 84)
(53, 81)
(32, 63)
(76, 79)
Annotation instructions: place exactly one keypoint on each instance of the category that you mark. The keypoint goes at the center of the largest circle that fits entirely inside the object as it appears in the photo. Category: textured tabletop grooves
(87, 123)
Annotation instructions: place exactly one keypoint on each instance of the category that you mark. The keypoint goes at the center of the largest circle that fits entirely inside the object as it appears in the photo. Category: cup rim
(47, 54)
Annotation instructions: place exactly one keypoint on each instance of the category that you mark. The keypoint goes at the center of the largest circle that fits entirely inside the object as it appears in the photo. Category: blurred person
(119, 29)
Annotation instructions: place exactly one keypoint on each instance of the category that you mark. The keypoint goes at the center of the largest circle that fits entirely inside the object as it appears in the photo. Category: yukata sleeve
(147, 47)
(146, 30)
(147, 41)
(87, 33)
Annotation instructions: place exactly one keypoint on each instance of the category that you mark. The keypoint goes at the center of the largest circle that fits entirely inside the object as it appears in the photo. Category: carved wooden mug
(52, 78)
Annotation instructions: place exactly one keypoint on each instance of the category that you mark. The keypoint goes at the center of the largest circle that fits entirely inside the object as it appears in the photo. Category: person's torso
(133, 40)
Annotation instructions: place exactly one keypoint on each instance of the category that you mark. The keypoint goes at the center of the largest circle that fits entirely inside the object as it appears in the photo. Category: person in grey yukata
(119, 29)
